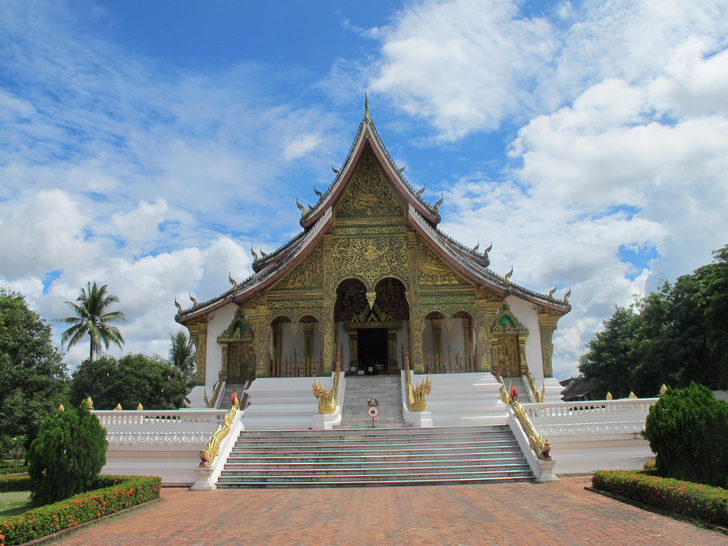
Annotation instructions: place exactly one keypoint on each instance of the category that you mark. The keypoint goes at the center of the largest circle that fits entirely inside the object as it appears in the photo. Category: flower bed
(703, 502)
(115, 493)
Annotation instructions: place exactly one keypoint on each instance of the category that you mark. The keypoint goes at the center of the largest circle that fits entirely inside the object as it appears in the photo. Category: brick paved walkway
(538, 514)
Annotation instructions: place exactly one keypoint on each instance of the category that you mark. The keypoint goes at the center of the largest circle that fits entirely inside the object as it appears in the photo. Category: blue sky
(149, 145)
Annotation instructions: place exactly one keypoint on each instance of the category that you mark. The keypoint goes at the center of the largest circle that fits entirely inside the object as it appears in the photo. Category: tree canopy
(33, 377)
(673, 336)
(92, 317)
(132, 380)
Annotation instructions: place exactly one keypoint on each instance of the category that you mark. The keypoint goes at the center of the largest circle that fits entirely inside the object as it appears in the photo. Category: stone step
(379, 474)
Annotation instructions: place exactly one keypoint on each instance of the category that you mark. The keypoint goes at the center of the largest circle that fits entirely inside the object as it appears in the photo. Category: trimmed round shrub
(67, 456)
(688, 430)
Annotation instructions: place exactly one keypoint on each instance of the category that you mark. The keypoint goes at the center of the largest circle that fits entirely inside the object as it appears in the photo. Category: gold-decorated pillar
(198, 334)
(392, 348)
(328, 339)
(416, 322)
(436, 344)
(547, 320)
(486, 310)
(354, 348)
(522, 354)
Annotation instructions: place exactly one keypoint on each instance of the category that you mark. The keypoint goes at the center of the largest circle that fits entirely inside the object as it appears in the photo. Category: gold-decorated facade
(369, 282)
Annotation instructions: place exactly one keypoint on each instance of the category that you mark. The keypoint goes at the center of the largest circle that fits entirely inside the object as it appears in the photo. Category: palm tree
(182, 354)
(93, 319)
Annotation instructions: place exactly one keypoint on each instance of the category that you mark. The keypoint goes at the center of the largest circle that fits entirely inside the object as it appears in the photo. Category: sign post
(373, 410)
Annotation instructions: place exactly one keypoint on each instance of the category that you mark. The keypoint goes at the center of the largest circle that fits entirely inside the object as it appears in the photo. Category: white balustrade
(594, 412)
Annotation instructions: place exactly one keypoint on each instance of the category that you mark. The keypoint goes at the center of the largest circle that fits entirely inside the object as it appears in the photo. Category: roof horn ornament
(336, 171)
(436, 208)
(419, 193)
(566, 296)
(476, 247)
(551, 292)
(255, 255)
(263, 253)
(193, 300)
(320, 195)
(402, 169)
(303, 209)
(507, 278)
(487, 250)
(179, 307)
(233, 282)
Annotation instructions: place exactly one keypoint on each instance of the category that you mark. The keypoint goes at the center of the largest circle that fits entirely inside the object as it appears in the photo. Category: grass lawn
(14, 503)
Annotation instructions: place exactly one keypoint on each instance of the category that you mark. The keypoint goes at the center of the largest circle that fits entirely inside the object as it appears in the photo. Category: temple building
(369, 282)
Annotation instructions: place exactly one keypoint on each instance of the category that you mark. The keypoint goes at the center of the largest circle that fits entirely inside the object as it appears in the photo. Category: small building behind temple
(369, 283)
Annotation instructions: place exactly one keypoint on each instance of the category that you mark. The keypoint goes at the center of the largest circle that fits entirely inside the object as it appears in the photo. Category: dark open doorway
(373, 350)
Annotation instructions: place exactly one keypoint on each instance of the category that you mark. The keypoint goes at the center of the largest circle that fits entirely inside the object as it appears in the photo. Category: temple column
(486, 310)
(547, 326)
(436, 344)
(522, 354)
(416, 322)
(354, 348)
(198, 334)
(467, 343)
(307, 347)
(391, 348)
(328, 339)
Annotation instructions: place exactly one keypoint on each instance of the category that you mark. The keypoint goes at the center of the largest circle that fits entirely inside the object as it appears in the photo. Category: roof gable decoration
(367, 134)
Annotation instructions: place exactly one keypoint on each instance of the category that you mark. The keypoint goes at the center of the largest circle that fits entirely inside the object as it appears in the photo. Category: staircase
(359, 389)
(375, 457)
(519, 385)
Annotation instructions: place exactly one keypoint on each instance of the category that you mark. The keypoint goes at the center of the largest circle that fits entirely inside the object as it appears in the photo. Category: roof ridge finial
(366, 105)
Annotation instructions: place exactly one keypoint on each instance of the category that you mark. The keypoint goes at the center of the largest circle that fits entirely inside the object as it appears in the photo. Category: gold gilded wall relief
(433, 271)
(368, 193)
(307, 275)
(370, 259)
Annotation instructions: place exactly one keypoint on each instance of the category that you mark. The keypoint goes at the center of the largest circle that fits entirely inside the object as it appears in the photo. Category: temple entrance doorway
(373, 356)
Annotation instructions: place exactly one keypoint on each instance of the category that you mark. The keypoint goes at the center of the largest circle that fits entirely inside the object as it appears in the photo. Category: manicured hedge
(115, 493)
(14, 483)
(706, 503)
(13, 470)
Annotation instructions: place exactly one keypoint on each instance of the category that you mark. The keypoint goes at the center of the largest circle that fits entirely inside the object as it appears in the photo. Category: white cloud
(141, 224)
(301, 146)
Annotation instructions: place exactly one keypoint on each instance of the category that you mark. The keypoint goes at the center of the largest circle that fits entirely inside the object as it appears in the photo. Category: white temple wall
(527, 314)
(291, 343)
(217, 322)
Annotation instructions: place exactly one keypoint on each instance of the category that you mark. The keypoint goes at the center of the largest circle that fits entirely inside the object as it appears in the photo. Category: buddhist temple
(368, 282)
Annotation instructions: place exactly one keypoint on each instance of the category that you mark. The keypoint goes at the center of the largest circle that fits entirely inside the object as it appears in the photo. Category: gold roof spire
(366, 106)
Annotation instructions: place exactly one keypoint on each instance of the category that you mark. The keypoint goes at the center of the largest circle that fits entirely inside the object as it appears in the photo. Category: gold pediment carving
(308, 274)
(368, 194)
(372, 317)
(433, 271)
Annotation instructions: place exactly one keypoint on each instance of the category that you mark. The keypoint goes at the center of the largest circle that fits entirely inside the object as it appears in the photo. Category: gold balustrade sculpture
(327, 397)
(540, 395)
(416, 395)
(207, 456)
(538, 443)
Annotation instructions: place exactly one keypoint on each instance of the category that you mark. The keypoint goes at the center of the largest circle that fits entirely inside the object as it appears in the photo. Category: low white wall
(158, 443)
(594, 435)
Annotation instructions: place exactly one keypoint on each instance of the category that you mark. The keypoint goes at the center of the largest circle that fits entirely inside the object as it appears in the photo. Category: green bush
(20, 469)
(117, 493)
(14, 483)
(688, 430)
(67, 455)
(709, 504)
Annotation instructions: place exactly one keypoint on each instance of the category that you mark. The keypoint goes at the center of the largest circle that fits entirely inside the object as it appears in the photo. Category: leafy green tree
(688, 430)
(675, 335)
(33, 377)
(67, 456)
(182, 355)
(132, 380)
(611, 355)
(93, 318)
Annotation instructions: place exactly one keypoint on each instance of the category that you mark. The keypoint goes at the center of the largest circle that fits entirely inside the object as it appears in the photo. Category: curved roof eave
(262, 279)
(478, 273)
